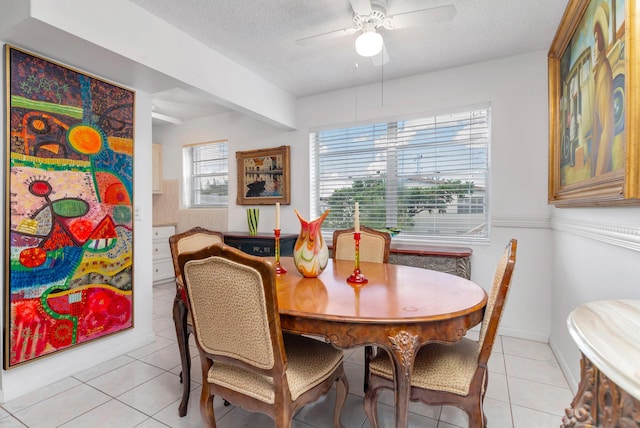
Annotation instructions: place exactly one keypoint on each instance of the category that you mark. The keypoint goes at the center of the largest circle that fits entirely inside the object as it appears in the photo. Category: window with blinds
(417, 178)
(206, 174)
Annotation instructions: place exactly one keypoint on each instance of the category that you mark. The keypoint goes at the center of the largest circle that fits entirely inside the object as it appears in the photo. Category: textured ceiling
(261, 36)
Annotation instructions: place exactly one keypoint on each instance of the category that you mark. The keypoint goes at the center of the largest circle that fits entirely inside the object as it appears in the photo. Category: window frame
(413, 239)
(189, 195)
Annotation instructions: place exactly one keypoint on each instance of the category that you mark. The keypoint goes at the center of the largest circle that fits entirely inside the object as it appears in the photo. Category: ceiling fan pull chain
(382, 85)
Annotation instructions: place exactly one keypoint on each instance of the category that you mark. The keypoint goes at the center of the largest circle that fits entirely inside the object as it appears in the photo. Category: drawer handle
(156, 250)
(157, 270)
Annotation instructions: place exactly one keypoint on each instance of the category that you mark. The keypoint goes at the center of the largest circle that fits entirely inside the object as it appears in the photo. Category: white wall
(516, 89)
(595, 258)
(34, 375)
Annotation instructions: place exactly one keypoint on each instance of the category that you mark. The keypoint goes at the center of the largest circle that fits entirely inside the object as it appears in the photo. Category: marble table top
(608, 334)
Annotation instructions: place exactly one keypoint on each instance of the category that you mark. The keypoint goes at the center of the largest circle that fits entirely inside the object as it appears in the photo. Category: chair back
(233, 301)
(374, 245)
(496, 301)
(189, 241)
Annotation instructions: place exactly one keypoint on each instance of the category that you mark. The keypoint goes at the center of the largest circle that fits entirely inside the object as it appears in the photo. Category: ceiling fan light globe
(369, 43)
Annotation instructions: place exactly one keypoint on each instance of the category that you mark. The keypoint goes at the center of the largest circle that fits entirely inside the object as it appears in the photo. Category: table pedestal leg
(403, 352)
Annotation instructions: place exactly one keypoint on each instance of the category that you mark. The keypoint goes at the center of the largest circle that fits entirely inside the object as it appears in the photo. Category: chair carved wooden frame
(450, 374)
(244, 354)
(191, 240)
(375, 246)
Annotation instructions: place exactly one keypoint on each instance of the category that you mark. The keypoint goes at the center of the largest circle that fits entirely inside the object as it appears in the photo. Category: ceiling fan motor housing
(372, 21)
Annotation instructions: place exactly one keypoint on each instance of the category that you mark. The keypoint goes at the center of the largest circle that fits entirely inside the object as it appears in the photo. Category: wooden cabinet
(453, 260)
(262, 244)
(156, 166)
(162, 262)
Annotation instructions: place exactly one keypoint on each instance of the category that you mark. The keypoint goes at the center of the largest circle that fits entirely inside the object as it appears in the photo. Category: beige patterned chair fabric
(455, 373)
(490, 309)
(232, 324)
(197, 241)
(245, 356)
(438, 366)
(310, 363)
(374, 245)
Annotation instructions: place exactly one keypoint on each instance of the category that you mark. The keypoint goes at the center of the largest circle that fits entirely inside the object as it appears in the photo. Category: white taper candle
(277, 215)
(356, 219)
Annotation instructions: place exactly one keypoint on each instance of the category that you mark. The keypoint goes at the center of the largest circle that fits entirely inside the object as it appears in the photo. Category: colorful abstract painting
(69, 204)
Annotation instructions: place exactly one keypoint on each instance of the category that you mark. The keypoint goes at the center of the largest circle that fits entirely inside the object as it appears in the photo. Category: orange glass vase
(310, 253)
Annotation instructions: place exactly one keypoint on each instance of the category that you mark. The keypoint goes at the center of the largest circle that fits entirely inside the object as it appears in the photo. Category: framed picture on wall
(69, 208)
(594, 152)
(263, 176)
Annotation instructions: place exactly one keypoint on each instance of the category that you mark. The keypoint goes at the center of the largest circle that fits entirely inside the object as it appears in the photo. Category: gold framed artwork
(68, 210)
(263, 176)
(594, 152)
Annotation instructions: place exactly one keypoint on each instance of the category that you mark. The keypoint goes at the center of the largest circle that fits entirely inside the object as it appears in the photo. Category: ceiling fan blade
(421, 17)
(382, 58)
(326, 36)
(361, 7)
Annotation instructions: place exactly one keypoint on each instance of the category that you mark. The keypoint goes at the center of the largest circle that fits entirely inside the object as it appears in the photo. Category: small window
(417, 178)
(206, 174)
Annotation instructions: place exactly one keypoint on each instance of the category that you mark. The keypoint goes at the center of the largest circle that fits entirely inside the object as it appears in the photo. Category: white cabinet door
(156, 164)
(162, 261)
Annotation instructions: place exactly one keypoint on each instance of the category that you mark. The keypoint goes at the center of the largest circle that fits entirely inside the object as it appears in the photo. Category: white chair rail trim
(522, 222)
(617, 235)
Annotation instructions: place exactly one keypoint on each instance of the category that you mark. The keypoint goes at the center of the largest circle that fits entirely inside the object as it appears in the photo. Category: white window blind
(207, 174)
(420, 178)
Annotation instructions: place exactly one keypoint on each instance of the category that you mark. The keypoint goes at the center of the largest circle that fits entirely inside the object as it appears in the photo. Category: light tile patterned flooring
(142, 389)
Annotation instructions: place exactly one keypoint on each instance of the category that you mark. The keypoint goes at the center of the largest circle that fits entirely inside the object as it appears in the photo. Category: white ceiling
(261, 36)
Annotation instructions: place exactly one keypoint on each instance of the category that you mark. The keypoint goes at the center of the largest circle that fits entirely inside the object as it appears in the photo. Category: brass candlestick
(279, 268)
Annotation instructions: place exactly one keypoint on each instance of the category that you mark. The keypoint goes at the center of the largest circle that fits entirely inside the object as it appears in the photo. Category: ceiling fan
(370, 16)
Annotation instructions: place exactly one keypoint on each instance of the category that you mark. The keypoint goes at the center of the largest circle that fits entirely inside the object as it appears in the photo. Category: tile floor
(142, 389)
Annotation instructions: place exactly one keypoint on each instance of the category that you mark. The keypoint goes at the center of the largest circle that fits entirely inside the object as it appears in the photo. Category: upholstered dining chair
(245, 356)
(374, 247)
(185, 242)
(451, 374)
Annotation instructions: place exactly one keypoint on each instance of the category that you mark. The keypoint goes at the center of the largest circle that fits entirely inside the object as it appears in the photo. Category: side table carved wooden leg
(582, 410)
(600, 402)
(629, 410)
(608, 399)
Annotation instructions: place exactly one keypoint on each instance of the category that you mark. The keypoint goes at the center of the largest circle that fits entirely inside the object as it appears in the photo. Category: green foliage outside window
(215, 189)
(372, 197)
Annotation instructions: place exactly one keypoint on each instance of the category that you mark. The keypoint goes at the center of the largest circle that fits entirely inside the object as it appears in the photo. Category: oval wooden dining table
(400, 309)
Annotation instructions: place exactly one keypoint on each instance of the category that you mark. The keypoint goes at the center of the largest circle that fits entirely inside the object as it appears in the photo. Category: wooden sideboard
(453, 260)
(261, 244)
(607, 333)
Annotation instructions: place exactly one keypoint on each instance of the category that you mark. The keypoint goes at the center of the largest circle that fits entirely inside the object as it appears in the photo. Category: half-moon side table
(607, 333)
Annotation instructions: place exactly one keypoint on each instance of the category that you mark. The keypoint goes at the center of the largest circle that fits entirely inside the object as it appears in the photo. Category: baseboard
(33, 376)
(564, 367)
